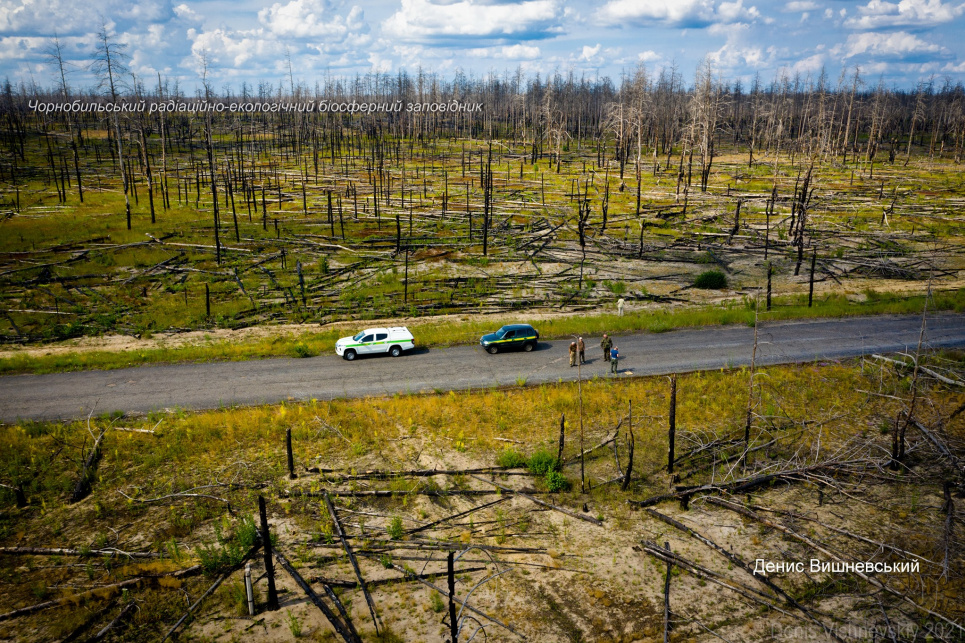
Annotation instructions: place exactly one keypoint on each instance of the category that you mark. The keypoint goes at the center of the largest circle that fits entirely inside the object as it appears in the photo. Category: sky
(900, 43)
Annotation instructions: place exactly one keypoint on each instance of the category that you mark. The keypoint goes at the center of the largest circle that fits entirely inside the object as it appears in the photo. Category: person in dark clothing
(614, 359)
(606, 344)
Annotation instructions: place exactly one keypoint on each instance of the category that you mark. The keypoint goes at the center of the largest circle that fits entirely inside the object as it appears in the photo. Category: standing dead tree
(109, 65)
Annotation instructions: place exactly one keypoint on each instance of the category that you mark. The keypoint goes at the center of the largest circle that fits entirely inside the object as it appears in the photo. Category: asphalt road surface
(213, 385)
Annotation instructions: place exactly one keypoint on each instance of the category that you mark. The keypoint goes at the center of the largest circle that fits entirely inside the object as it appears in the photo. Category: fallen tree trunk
(415, 577)
(818, 547)
(740, 563)
(744, 485)
(355, 563)
(345, 630)
(97, 592)
(563, 510)
(59, 551)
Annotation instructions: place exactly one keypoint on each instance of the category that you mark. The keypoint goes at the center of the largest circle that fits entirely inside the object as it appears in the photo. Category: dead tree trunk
(83, 487)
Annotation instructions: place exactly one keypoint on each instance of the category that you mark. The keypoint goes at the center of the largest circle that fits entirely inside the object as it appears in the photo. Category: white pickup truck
(375, 340)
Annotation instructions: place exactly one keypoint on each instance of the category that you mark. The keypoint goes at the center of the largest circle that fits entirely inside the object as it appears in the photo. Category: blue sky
(900, 42)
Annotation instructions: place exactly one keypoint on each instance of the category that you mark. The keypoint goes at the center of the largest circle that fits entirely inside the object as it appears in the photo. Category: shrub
(542, 462)
(302, 350)
(616, 287)
(395, 529)
(711, 280)
(556, 481)
(511, 458)
(231, 549)
(294, 624)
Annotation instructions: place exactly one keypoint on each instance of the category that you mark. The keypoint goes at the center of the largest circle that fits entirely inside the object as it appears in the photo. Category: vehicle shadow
(418, 350)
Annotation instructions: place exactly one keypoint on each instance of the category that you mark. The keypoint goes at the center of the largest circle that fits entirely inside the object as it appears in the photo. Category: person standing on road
(606, 344)
(581, 347)
(572, 353)
(614, 359)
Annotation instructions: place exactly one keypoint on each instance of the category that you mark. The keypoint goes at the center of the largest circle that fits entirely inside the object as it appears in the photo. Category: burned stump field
(545, 513)
(165, 222)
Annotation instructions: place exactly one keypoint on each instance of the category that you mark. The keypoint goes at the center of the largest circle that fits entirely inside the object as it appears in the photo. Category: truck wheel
(529, 346)
(395, 351)
(350, 354)
(491, 350)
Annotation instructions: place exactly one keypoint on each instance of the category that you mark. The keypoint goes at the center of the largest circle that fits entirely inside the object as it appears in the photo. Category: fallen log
(743, 485)
(351, 584)
(563, 510)
(416, 530)
(97, 592)
(741, 564)
(355, 563)
(818, 547)
(346, 631)
(114, 623)
(382, 493)
(415, 577)
(62, 551)
(382, 474)
(937, 376)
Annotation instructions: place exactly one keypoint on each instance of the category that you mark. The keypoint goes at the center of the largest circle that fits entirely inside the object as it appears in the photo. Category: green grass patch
(434, 333)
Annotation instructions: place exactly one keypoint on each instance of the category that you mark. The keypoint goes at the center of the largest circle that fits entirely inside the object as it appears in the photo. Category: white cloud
(898, 44)
(734, 11)
(590, 52)
(906, 13)
(379, 64)
(310, 19)
(233, 48)
(519, 52)
(185, 12)
(733, 56)
(811, 64)
(685, 13)
(648, 56)
(508, 52)
(426, 19)
(801, 5)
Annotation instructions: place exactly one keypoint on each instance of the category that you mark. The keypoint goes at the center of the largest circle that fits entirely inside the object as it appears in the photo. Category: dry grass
(590, 582)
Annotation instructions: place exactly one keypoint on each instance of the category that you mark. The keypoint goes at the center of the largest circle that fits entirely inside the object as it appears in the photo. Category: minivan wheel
(529, 346)
(395, 351)
(491, 350)
(350, 354)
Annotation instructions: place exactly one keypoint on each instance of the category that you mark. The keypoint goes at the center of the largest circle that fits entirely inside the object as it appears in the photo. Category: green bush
(302, 350)
(511, 459)
(395, 529)
(556, 481)
(711, 280)
(616, 287)
(231, 549)
(542, 462)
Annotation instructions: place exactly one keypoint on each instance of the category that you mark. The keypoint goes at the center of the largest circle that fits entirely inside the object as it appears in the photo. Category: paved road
(205, 386)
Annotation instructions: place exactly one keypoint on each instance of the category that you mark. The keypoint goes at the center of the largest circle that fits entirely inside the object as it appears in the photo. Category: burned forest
(557, 195)
(810, 501)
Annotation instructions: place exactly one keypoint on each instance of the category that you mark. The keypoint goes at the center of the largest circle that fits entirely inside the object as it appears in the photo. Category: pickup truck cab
(375, 340)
